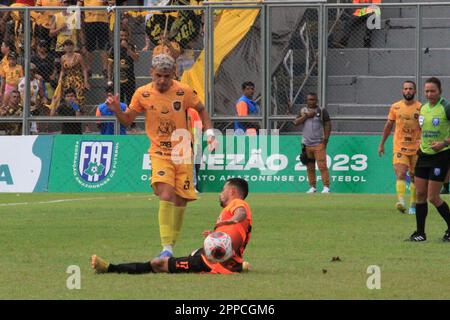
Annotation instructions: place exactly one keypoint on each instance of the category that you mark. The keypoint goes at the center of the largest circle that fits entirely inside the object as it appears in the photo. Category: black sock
(446, 186)
(131, 268)
(421, 216)
(444, 211)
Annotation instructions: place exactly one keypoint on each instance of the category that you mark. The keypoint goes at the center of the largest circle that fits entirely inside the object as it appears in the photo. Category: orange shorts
(407, 160)
(179, 176)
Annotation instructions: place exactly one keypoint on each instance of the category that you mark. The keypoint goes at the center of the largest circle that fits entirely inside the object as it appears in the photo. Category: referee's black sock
(421, 216)
(131, 268)
(444, 211)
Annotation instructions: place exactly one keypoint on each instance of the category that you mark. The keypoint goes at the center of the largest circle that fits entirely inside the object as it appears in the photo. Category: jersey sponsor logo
(145, 94)
(180, 93)
(176, 105)
(435, 122)
(95, 160)
(165, 144)
(437, 172)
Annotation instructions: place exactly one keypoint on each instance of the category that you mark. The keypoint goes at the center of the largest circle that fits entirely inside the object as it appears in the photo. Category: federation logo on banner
(95, 162)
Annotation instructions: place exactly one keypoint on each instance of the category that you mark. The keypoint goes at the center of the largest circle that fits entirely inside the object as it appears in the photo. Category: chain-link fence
(58, 61)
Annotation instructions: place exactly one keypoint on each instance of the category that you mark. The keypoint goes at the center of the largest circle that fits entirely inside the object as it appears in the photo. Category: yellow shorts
(179, 176)
(407, 160)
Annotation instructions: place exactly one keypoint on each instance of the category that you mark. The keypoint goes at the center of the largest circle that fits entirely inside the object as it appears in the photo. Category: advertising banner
(268, 163)
(25, 163)
(99, 164)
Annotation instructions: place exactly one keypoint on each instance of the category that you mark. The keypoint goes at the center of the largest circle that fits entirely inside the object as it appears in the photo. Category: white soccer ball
(218, 247)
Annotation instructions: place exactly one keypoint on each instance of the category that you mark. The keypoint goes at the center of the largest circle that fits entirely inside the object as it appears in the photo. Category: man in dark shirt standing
(316, 132)
(70, 108)
(128, 55)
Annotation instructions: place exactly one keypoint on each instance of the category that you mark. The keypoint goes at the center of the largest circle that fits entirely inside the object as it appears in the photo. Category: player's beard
(222, 203)
(408, 97)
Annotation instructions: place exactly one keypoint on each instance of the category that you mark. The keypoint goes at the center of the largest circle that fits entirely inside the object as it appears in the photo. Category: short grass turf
(295, 237)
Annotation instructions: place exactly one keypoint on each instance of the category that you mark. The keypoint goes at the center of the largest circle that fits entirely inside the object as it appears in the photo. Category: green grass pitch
(294, 239)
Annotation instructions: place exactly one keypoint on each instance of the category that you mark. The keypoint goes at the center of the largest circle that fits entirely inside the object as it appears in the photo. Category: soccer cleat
(446, 237)
(99, 265)
(400, 207)
(412, 210)
(326, 190)
(311, 190)
(246, 267)
(418, 237)
(165, 254)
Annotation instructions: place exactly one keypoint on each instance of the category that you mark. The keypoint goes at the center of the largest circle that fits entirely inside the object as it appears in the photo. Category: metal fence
(287, 50)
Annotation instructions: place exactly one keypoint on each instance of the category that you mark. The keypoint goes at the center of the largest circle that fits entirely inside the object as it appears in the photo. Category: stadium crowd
(63, 48)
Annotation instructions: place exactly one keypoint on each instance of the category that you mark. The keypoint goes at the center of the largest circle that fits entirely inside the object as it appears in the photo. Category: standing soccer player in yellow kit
(405, 115)
(164, 102)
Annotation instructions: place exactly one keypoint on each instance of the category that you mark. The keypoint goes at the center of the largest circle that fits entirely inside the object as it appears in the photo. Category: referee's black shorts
(432, 167)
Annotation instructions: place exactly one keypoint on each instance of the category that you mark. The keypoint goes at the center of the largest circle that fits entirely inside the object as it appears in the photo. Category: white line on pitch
(62, 200)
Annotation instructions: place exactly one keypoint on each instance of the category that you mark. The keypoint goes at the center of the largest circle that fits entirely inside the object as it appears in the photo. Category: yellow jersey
(407, 128)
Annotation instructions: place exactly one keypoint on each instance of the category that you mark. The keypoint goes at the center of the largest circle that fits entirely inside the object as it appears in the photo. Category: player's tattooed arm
(239, 215)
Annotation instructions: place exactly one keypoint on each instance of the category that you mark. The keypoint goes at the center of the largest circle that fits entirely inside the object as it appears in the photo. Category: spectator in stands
(112, 18)
(45, 67)
(64, 28)
(15, 25)
(70, 108)
(74, 72)
(6, 48)
(3, 19)
(13, 109)
(37, 94)
(103, 110)
(316, 132)
(12, 74)
(96, 27)
(355, 18)
(128, 55)
(246, 106)
(44, 21)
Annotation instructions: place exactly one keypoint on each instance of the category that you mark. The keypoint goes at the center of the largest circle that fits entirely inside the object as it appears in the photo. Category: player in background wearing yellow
(234, 220)
(164, 102)
(405, 115)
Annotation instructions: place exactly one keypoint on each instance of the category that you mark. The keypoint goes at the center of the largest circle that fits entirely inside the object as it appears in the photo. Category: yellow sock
(177, 222)
(412, 193)
(401, 190)
(165, 216)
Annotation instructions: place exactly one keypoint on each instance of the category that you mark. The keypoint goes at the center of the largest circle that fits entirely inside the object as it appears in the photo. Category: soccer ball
(218, 247)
